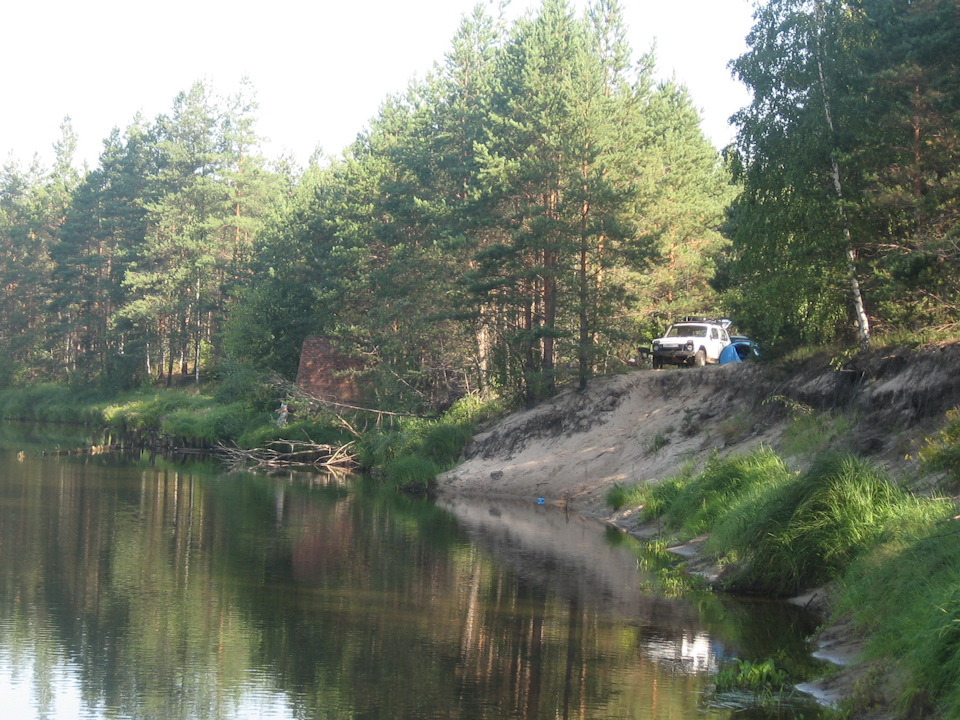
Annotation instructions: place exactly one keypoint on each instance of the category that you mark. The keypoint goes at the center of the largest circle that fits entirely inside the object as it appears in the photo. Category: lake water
(134, 587)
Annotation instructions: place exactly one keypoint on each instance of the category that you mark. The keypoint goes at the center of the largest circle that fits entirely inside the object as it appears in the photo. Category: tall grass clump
(620, 496)
(808, 529)
(652, 498)
(942, 451)
(905, 594)
(410, 473)
(810, 433)
(721, 487)
(413, 451)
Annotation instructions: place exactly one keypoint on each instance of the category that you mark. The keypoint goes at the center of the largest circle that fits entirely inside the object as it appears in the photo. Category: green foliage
(418, 449)
(659, 497)
(807, 529)
(780, 532)
(848, 156)
(262, 429)
(942, 451)
(904, 594)
(620, 496)
(237, 381)
(52, 403)
(411, 473)
(699, 503)
(754, 676)
(810, 433)
(206, 423)
(148, 410)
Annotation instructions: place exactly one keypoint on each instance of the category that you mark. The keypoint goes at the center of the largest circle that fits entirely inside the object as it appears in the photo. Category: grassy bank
(411, 452)
(893, 556)
(406, 453)
(194, 416)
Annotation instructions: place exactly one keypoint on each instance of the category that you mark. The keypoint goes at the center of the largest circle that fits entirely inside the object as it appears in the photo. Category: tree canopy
(523, 216)
(848, 153)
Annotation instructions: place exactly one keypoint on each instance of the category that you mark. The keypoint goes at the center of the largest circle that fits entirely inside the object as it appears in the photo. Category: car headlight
(689, 345)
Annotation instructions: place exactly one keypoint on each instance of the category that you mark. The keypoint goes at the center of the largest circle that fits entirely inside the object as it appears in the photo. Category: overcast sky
(321, 68)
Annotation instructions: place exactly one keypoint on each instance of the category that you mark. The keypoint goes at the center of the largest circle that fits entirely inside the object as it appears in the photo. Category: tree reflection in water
(152, 590)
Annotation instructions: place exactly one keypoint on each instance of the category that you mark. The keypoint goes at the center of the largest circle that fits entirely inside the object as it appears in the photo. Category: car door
(714, 346)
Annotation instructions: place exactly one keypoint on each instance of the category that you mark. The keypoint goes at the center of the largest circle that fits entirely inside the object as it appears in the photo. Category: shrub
(439, 442)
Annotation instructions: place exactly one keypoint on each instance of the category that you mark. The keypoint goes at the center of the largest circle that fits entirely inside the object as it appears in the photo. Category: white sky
(320, 68)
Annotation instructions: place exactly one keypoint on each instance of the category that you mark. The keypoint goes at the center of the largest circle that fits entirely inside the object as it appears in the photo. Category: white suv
(694, 341)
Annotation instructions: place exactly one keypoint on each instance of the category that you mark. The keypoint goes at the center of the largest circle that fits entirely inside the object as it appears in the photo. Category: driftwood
(91, 450)
(289, 454)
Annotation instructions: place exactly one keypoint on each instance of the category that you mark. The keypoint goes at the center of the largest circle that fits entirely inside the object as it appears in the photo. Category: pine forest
(523, 217)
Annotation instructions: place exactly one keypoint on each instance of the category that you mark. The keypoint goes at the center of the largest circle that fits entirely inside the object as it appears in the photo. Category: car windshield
(687, 331)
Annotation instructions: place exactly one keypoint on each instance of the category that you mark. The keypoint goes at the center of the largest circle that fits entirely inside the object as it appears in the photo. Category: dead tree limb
(281, 454)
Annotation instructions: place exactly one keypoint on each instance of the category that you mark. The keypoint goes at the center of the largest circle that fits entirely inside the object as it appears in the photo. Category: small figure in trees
(282, 414)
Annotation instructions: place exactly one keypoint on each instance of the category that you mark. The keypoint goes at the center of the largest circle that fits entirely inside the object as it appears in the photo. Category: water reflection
(147, 590)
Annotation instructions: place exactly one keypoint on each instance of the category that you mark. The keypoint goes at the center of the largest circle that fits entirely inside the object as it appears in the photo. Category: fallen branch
(296, 454)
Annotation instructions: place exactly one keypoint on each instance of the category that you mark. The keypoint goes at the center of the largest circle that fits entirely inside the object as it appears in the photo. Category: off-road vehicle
(692, 341)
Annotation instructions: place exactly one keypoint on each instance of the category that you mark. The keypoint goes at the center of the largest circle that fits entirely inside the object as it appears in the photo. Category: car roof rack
(722, 322)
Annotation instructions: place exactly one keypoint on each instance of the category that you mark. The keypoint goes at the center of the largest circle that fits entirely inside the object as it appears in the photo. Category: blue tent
(738, 352)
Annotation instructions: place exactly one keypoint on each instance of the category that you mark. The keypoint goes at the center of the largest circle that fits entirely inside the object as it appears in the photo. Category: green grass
(894, 556)
(905, 593)
(754, 676)
(199, 416)
(942, 451)
(414, 450)
(800, 531)
(814, 432)
(700, 502)
(411, 473)
(620, 496)
(52, 403)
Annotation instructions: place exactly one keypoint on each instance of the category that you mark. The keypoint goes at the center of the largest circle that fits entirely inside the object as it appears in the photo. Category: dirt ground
(644, 425)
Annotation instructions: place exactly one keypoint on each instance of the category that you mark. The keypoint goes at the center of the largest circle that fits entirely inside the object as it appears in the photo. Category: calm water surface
(139, 588)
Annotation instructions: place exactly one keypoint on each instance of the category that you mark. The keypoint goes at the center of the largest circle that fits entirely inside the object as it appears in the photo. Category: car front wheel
(700, 359)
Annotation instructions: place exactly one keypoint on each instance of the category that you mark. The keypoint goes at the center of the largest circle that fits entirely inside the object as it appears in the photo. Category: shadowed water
(139, 588)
